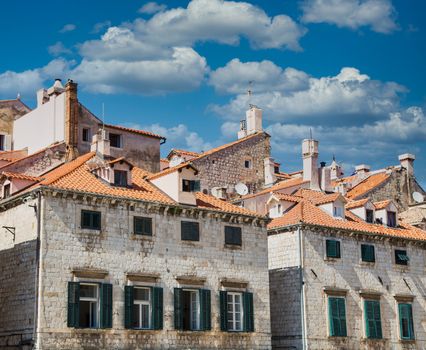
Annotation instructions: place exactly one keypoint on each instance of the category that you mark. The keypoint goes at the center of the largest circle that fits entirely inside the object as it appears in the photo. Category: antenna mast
(250, 93)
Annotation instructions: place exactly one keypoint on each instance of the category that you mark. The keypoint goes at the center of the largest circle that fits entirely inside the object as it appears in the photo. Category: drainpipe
(37, 287)
(302, 290)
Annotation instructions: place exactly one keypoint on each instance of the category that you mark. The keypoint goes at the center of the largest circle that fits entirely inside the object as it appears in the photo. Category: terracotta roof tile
(278, 186)
(172, 170)
(367, 185)
(287, 197)
(135, 131)
(19, 176)
(382, 204)
(317, 197)
(356, 204)
(183, 152)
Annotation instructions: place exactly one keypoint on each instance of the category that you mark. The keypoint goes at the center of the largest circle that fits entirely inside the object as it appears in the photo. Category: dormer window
(391, 218)
(6, 191)
(2, 142)
(115, 140)
(120, 178)
(338, 212)
(190, 185)
(369, 216)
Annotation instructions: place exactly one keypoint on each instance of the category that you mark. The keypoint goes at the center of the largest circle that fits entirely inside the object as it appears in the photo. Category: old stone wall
(17, 295)
(9, 111)
(116, 250)
(227, 167)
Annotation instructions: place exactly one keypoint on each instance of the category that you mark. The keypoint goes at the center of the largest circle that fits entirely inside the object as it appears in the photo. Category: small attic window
(115, 140)
(120, 178)
(6, 191)
(338, 212)
(190, 185)
(369, 216)
(2, 142)
(391, 218)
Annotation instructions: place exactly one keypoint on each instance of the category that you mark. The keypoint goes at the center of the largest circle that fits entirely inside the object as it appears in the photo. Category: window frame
(2, 142)
(232, 294)
(184, 222)
(338, 211)
(365, 258)
(87, 131)
(138, 217)
(249, 163)
(123, 175)
(91, 299)
(7, 188)
(331, 318)
(393, 216)
(119, 138)
(378, 329)
(372, 216)
(398, 260)
(190, 185)
(230, 242)
(338, 254)
(140, 303)
(411, 335)
(91, 227)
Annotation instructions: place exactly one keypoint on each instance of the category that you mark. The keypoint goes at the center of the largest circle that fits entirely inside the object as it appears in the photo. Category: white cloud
(100, 26)
(58, 49)
(68, 28)
(152, 7)
(184, 71)
(27, 82)
(347, 97)
(377, 14)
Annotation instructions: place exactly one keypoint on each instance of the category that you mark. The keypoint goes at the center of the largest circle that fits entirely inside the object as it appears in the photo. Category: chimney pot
(407, 162)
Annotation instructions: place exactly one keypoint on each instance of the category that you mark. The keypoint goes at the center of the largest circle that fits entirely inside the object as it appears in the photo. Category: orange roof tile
(278, 186)
(287, 197)
(347, 179)
(356, 204)
(307, 213)
(135, 131)
(317, 197)
(367, 185)
(183, 152)
(382, 204)
(172, 170)
(120, 160)
(19, 176)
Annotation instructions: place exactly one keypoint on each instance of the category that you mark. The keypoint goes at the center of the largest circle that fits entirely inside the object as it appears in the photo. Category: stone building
(95, 255)
(340, 281)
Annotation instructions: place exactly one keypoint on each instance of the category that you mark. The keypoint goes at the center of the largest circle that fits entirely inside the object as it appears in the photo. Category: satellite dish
(418, 197)
(241, 189)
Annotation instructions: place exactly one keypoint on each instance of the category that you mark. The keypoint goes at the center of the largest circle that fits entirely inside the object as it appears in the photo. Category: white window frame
(338, 211)
(2, 142)
(140, 303)
(95, 299)
(193, 292)
(233, 328)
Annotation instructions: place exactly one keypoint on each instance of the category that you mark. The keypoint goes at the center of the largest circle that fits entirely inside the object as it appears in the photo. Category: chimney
(243, 129)
(341, 188)
(310, 162)
(57, 88)
(71, 120)
(254, 120)
(42, 97)
(270, 177)
(100, 144)
(362, 170)
(325, 178)
(407, 162)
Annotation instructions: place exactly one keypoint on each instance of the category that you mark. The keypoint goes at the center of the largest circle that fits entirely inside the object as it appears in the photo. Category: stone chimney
(254, 120)
(407, 162)
(269, 166)
(310, 162)
(100, 144)
(362, 170)
(71, 120)
(325, 177)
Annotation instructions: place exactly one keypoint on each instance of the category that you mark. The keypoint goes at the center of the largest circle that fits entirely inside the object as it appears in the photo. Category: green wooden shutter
(373, 323)
(406, 321)
(223, 310)
(342, 316)
(377, 319)
(128, 307)
(106, 305)
(337, 316)
(248, 312)
(197, 186)
(178, 308)
(148, 226)
(332, 248)
(367, 252)
(157, 308)
(73, 304)
(205, 310)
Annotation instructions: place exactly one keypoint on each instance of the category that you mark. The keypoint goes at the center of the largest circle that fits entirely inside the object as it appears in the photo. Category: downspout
(302, 290)
(37, 287)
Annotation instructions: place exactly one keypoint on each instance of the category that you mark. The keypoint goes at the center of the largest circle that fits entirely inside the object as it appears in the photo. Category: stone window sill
(233, 247)
(135, 236)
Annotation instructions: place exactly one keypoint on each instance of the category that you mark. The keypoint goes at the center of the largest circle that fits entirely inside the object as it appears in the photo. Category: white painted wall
(42, 126)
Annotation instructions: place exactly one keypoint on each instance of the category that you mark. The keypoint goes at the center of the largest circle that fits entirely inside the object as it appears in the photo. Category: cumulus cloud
(28, 81)
(183, 71)
(152, 7)
(58, 49)
(377, 14)
(68, 28)
(346, 97)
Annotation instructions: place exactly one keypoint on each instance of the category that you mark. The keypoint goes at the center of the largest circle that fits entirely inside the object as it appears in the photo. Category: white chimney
(310, 162)
(254, 120)
(243, 129)
(42, 97)
(100, 144)
(341, 188)
(56, 89)
(325, 178)
(362, 170)
(407, 162)
(270, 177)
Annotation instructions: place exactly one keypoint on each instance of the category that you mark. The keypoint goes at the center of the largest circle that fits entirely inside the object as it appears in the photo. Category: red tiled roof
(367, 185)
(182, 152)
(347, 179)
(172, 170)
(317, 197)
(135, 131)
(356, 204)
(287, 197)
(278, 186)
(382, 204)
(19, 176)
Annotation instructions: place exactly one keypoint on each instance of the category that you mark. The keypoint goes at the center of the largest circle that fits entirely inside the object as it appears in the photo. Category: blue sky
(351, 70)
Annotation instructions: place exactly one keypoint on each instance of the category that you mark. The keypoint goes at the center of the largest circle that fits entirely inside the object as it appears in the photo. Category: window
(89, 305)
(406, 327)
(91, 219)
(236, 311)
(192, 309)
(190, 185)
(369, 216)
(276, 169)
(233, 235)
(120, 178)
(373, 323)
(247, 164)
(332, 248)
(86, 135)
(367, 253)
(391, 218)
(2, 142)
(190, 231)
(337, 316)
(115, 140)
(143, 307)
(401, 257)
(338, 212)
(6, 191)
(142, 226)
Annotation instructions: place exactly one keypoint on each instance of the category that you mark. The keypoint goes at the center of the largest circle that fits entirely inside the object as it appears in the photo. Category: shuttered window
(406, 327)
(337, 316)
(401, 257)
(373, 323)
(143, 307)
(190, 231)
(236, 311)
(332, 248)
(233, 235)
(367, 253)
(192, 309)
(142, 226)
(91, 219)
(89, 305)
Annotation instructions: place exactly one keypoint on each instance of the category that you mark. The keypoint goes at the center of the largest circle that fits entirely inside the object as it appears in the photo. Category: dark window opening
(6, 191)
(190, 307)
(401, 257)
(247, 164)
(115, 140)
(120, 178)
(369, 215)
(277, 170)
(91, 219)
(367, 253)
(86, 134)
(142, 226)
(391, 219)
(332, 248)
(89, 306)
(233, 235)
(190, 231)
(190, 185)
(2, 142)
